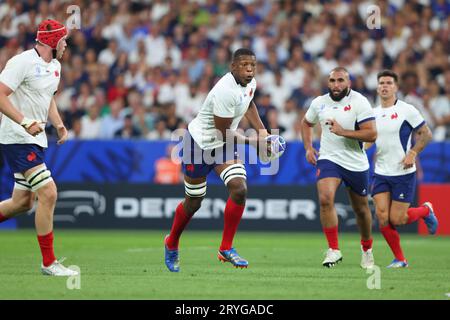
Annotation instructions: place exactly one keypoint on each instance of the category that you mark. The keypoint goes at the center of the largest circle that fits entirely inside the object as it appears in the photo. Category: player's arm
(223, 125)
(7, 108)
(307, 137)
(367, 131)
(57, 122)
(254, 119)
(422, 137)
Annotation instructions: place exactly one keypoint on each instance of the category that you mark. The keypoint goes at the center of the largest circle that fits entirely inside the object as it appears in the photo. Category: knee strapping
(20, 182)
(39, 178)
(234, 171)
(195, 190)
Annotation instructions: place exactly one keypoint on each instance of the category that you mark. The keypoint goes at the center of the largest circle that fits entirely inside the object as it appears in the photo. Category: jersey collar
(236, 80)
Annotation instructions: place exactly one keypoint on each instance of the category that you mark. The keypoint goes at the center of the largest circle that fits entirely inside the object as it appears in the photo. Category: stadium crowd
(141, 69)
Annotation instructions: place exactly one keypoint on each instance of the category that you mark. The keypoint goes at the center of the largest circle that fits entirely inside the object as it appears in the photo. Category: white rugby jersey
(395, 126)
(227, 99)
(33, 82)
(351, 111)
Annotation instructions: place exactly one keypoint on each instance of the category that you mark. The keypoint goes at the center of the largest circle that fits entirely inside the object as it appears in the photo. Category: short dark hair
(242, 52)
(387, 73)
(409, 74)
(340, 69)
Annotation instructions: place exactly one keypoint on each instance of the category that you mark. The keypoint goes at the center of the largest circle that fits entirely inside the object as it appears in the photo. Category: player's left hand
(262, 135)
(62, 134)
(409, 160)
(335, 127)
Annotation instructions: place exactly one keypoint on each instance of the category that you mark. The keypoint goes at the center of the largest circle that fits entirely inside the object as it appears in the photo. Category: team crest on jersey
(394, 116)
(56, 73)
(348, 108)
(31, 156)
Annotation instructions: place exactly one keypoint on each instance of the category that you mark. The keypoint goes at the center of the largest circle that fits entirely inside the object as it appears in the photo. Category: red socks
(393, 239)
(233, 214)
(46, 244)
(179, 224)
(332, 237)
(415, 214)
(366, 244)
(2, 218)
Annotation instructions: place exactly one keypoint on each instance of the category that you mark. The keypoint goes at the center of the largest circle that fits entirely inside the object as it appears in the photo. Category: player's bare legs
(398, 214)
(383, 209)
(195, 192)
(327, 190)
(328, 217)
(360, 205)
(20, 202)
(192, 204)
(184, 213)
(233, 175)
(237, 187)
(401, 213)
(46, 195)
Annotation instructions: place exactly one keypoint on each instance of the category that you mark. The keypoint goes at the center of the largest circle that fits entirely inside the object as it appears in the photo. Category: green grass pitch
(129, 265)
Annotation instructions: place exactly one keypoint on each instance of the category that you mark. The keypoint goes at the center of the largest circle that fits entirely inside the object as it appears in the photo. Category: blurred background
(138, 70)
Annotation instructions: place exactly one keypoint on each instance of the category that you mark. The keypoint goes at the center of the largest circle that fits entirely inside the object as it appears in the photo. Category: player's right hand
(311, 155)
(31, 126)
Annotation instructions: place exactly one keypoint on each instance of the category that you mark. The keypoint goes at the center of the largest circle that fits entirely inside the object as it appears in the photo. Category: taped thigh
(236, 170)
(39, 178)
(195, 190)
(20, 182)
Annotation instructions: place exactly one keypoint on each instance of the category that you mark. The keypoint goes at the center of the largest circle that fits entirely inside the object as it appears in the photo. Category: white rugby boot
(332, 258)
(58, 270)
(367, 259)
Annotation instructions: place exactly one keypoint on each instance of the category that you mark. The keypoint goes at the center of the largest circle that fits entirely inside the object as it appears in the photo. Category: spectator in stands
(412, 94)
(75, 132)
(272, 122)
(119, 48)
(91, 123)
(160, 132)
(438, 105)
(113, 121)
(168, 170)
(74, 112)
(128, 131)
(279, 92)
(264, 105)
